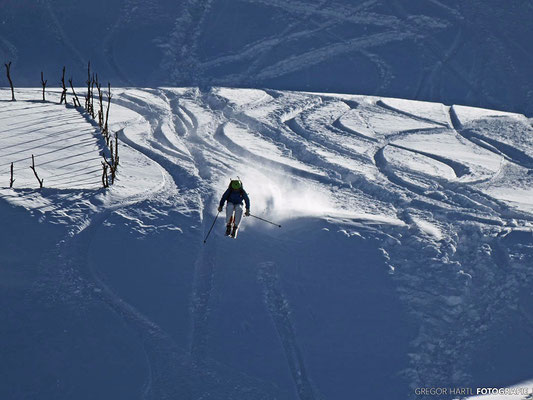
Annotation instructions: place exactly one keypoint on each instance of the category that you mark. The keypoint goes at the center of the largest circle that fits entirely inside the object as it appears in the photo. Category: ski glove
(247, 213)
(219, 208)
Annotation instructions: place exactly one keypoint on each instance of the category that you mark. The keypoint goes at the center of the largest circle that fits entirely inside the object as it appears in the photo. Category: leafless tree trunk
(8, 71)
(112, 166)
(76, 100)
(116, 150)
(105, 181)
(43, 83)
(101, 111)
(11, 181)
(88, 98)
(111, 149)
(93, 81)
(35, 172)
(64, 93)
(106, 127)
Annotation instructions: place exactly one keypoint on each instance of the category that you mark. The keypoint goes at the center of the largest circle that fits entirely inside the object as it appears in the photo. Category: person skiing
(234, 196)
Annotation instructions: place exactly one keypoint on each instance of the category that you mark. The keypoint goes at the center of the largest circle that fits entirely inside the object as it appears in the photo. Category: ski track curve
(459, 204)
(285, 138)
(240, 152)
(323, 140)
(510, 153)
(339, 125)
(460, 200)
(387, 107)
(458, 168)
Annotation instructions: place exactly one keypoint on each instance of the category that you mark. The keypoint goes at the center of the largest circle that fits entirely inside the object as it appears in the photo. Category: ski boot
(228, 229)
(234, 232)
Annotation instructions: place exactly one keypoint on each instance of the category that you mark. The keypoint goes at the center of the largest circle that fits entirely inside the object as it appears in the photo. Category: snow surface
(403, 261)
(63, 159)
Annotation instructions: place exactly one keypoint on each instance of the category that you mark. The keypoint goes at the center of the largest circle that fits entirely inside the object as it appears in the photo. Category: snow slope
(63, 160)
(403, 261)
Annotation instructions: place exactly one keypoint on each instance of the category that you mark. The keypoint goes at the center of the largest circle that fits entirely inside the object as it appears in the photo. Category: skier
(234, 195)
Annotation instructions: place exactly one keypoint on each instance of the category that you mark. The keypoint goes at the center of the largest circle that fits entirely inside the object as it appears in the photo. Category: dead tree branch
(112, 166)
(8, 72)
(64, 93)
(93, 81)
(105, 181)
(88, 97)
(11, 181)
(109, 96)
(76, 100)
(116, 151)
(43, 83)
(101, 111)
(35, 172)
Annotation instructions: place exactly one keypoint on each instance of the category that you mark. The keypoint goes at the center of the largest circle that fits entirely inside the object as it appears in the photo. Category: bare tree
(32, 166)
(11, 181)
(8, 72)
(101, 110)
(106, 127)
(105, 180)
(116, 150)
(88, 97)
(64, 93)
(76, 100)
(111, 164)
(93, 81)
(43, 83)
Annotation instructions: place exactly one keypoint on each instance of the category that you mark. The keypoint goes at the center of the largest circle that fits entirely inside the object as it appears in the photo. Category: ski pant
(230, 210)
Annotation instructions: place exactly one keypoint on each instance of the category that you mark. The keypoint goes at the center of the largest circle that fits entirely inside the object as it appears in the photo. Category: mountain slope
(402, 261)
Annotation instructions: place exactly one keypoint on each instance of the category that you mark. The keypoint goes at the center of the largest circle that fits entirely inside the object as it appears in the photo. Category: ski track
(279, 310)
(458, 168)
(204, 272)
(382, 104)
(459, 201)
(509, 152)
(241, 152)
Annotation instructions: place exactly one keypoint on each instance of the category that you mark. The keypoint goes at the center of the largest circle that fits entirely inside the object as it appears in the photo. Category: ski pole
(210, 229)
(262, 219)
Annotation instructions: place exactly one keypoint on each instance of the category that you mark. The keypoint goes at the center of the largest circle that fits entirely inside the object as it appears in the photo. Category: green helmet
(236, 185)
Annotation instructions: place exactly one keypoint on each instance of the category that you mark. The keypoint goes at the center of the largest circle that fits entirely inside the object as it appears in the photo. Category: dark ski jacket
(235, 197)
